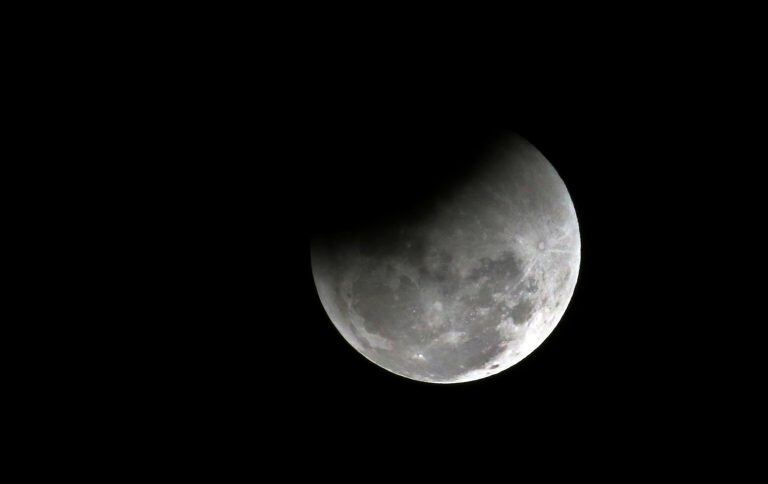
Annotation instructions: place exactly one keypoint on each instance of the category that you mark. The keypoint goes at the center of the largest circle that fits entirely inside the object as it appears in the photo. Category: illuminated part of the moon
(467, 289)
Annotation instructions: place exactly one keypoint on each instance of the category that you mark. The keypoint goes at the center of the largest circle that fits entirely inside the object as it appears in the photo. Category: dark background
(313, 139)
(204, 149)
(356, 155)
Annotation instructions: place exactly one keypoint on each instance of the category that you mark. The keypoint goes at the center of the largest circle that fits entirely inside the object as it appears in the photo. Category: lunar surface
(470, 285)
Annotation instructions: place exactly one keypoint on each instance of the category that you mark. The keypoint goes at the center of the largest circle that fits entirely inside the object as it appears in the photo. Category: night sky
(346, 151)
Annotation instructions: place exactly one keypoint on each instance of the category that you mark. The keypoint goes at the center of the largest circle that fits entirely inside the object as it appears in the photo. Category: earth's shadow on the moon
(381, 179)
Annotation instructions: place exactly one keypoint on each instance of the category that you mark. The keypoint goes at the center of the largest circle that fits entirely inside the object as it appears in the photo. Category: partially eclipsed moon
(468, 288)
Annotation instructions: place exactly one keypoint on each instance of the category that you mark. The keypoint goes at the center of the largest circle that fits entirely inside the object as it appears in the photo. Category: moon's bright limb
(470, 288)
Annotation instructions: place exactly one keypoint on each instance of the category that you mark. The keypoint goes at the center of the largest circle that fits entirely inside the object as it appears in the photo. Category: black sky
(358, 154)
(323, 144)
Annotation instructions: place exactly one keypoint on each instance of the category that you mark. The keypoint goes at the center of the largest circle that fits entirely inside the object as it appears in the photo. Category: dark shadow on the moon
(379, 179)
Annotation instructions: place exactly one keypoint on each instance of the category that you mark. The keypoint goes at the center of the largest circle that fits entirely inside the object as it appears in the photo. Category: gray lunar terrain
(469, 286)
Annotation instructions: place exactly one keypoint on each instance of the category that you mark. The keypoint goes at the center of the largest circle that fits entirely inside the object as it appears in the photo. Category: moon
(466, 287)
